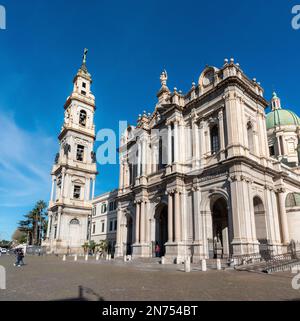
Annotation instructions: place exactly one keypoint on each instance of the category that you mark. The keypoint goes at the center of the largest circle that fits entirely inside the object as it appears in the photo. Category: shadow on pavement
(82, 295)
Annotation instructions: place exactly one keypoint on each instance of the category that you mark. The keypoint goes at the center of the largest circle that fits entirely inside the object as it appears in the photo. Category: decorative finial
(85, 51)
(164, 78)
(225, 61)
(232, 60)
(274, 94)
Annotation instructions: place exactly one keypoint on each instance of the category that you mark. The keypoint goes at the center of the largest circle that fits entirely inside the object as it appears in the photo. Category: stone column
(238, 213)
(139, 159)
(144, 156)
(169, 144)
(170, 217)
(119, 245)
(59, 212)
(196, 149)
(221, 130)
(283, 217)
(202, 143)
(62, 182)
(93, 189)
(143, 221)
(137, 223)
(176, 143)
(86, 189)
(177, 213)
(49, 224)
(52, 188)
(196, 227)
(121, 177)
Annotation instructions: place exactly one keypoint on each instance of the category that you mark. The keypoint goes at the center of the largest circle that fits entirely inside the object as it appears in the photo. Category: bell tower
(74, 171)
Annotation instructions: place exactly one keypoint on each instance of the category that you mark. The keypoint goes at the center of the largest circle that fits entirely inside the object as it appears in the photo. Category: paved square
(49, 278)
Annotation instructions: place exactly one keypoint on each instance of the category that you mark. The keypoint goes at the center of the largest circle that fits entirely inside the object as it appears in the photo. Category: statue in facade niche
(56, 158)
(93, 156)
(67, 149)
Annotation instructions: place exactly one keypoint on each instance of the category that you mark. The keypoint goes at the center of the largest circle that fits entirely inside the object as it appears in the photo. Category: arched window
(214, 139)
(82, 118)
(74, 221)
(250, 137)
(292, 199)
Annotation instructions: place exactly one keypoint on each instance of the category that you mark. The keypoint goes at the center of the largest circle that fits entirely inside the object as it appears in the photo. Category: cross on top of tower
(85, 51)
(83, 65)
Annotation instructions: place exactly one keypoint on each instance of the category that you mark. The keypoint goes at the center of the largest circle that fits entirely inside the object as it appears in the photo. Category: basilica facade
(206, 174)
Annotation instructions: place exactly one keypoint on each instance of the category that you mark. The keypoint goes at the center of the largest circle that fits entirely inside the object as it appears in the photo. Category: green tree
(19, 236)
(35, 224)
(85, 247)
(92, 246)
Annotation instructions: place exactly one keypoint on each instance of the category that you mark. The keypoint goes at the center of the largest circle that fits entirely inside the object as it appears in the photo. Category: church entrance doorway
(161, 228)
(129, 236)
(220, 244)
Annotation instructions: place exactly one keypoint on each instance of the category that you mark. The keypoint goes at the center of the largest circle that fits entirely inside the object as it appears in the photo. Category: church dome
(279, 116)
(282, 117)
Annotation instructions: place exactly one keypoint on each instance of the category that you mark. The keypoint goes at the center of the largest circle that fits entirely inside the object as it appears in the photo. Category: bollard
(203, 265)
(75, 257)
(97, 257)
(109, 257)
(86, 257)
(106, 258)
(163, 260)
(219, 266)
(187, 265)
(64, 257)
(125, 258)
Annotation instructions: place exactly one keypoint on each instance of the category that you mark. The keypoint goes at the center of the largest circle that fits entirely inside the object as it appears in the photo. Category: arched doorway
(161, 227)
(220, 243)
(129, 237)
(261, 226)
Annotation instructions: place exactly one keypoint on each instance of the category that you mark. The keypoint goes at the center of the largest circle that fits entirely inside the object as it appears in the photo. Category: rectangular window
(94, 211)
(80, 153)
(94, 228)
(111, 206)
(115, 205)
(110, 226)
(102, 226)
(115, 225)
(103, 208)
(83, 92)
(76, 193)
(84, 85)
(272, 150)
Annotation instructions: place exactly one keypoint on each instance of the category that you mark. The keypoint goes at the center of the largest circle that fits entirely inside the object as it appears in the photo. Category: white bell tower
(74, 171)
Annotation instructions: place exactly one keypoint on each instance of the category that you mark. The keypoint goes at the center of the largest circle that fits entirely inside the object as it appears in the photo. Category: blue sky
(129, 42)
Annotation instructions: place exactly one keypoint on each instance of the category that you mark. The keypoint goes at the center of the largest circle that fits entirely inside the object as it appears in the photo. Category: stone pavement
(49, 278)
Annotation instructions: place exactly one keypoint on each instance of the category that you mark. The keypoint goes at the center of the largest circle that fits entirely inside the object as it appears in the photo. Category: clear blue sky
(129, 42)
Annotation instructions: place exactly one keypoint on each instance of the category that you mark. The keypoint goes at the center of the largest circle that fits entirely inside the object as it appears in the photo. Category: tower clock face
(208, 78)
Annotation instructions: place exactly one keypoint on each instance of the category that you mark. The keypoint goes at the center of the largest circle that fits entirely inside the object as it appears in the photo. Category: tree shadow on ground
(85, 294)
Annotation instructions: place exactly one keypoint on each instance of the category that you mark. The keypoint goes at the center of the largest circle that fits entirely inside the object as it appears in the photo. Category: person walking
(20, 255)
